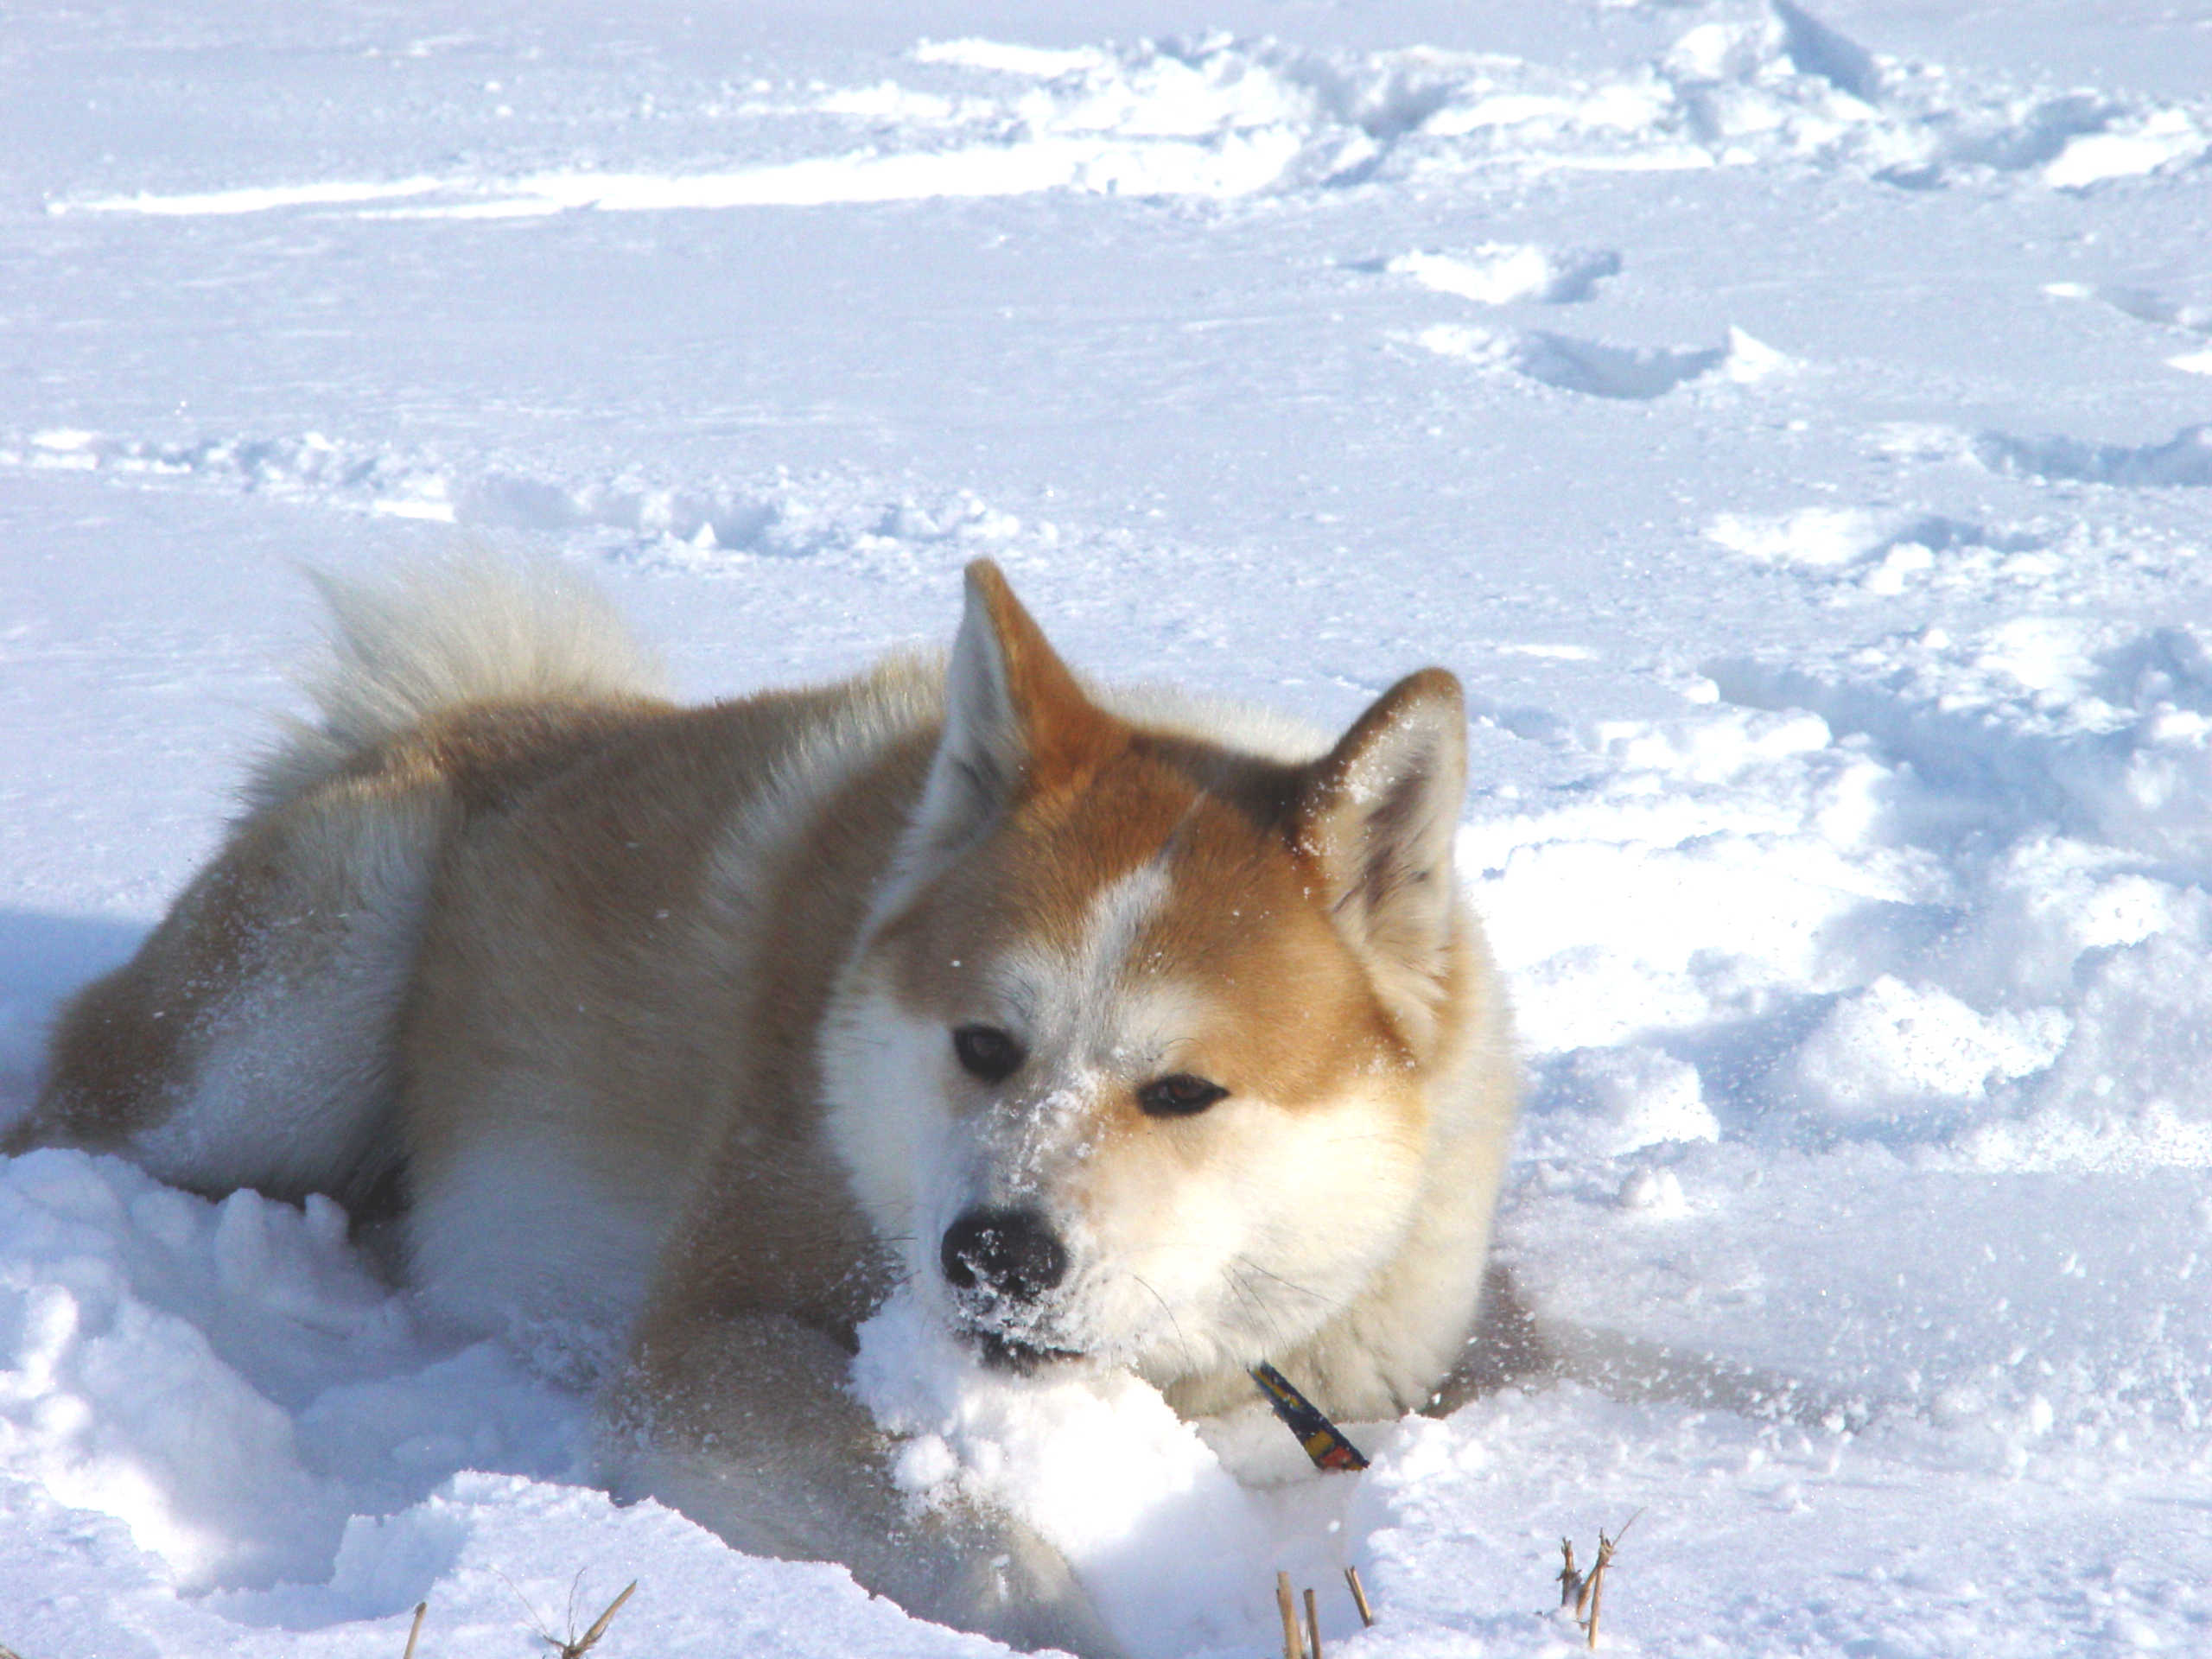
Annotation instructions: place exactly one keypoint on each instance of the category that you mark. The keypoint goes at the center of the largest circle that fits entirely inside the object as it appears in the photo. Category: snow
(1790, 422)
(1171, 1547)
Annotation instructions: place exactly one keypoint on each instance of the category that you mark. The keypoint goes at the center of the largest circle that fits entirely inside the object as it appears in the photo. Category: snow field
(1798, 445)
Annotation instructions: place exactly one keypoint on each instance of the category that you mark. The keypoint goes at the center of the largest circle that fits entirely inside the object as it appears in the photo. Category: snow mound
(1502, 273)
(1598, 369)
(1883, 1051)
(1612, 1102)
(1884, 552)
(229, 1380)
(1165, 1540)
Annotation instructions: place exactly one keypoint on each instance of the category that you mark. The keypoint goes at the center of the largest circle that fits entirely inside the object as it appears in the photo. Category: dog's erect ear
(1374, 817)
(1014, 715)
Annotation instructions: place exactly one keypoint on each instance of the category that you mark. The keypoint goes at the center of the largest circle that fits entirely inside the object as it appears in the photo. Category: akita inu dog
(1128, 1029)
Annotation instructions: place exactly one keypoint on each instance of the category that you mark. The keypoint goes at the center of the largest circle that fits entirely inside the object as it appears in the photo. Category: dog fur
(662, 1022)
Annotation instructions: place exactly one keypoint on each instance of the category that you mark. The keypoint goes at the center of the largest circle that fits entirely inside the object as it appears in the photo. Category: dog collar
(1324, 1441)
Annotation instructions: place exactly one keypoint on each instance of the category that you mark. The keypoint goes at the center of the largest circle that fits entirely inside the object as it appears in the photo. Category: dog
(1125, 1028)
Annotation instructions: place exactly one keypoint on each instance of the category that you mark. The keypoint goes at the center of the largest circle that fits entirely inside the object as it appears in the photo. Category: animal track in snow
(1503, 273)
(2140, 303)
(1882, 553)
(695, 527)
(2126, 149)
(2183, 461)
(2145, 305)
(1598, 370)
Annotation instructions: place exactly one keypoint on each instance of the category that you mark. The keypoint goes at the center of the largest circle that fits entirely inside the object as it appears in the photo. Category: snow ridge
(699, 527)
(1220, 117)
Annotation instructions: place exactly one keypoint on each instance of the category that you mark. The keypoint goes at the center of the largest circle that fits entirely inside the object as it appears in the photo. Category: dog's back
(252, 1040)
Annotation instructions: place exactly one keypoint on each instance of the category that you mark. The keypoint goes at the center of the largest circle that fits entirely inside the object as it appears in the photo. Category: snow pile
(1169, 1544)
(1882, 553)
(1793, 88)
(230, 1380)
(1886, 1050)
(1780, 87)
(1611, 1102)
(2099, 730)
(118, 1403)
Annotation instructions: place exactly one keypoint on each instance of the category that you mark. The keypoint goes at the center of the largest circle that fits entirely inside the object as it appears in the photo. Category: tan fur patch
(1292, 1014)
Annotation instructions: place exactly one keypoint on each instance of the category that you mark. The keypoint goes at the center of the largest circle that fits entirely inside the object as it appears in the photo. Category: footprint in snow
(2146, 305)
(2183, 461)
(1598, 370)
(1506, 273)
(1880, 552)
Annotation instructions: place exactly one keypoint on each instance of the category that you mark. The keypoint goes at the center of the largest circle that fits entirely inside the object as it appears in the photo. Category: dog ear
(1375, 817)
(1014, 717)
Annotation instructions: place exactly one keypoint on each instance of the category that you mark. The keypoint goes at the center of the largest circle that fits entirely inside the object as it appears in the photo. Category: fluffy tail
(474, 628)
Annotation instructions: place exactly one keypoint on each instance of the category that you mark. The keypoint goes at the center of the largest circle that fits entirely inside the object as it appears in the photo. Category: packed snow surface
(1793, 428)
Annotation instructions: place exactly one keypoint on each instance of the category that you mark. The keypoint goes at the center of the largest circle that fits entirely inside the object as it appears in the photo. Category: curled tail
(468, 629)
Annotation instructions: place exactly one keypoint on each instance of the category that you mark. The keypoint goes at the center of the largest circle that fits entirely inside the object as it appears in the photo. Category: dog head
(1131, 1059)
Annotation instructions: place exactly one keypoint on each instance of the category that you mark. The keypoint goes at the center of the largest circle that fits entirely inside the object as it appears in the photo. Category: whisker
(1250, 1266)
(1174, 1324)
(1262, 1315)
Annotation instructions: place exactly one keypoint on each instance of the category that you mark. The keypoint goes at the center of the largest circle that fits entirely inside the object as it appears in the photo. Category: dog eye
(1180, 1096)
(986, 1051)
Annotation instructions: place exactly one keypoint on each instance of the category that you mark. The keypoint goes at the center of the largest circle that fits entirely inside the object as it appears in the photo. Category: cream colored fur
(648, 1012)
(471, 628)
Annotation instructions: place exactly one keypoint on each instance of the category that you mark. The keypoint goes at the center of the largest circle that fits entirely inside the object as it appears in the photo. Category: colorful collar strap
(1324, 1441)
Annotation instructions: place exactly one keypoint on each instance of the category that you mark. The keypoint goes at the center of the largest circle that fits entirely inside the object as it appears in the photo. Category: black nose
(1010, 1253)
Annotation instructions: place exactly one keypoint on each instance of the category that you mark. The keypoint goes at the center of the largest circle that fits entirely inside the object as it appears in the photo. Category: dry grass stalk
(1598, 1585)
(1570, 1581)
(1590, 1592)
(584, 1644)
(1359, 1595)
(415, 1630)
(1312, 1626)
(1294, 1644)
